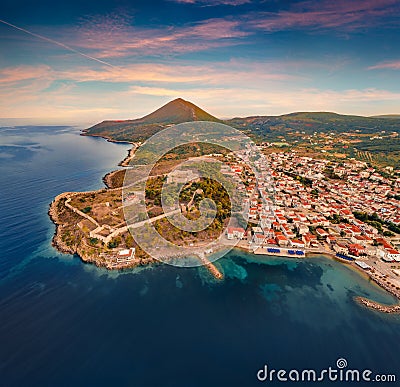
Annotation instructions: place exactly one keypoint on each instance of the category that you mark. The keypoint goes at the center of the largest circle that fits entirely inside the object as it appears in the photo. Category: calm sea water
(65, 323)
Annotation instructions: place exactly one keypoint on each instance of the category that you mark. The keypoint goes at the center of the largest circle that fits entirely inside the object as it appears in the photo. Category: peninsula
(337, 193)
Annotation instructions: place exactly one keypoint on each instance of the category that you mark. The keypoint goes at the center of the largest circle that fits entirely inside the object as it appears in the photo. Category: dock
(211, 267)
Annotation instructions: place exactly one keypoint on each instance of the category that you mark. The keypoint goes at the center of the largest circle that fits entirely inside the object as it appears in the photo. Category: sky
(81, 62)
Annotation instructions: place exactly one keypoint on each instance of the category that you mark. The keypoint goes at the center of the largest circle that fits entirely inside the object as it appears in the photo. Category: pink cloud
(325, 14)
(217, 73)
(178, 75)
(394, 65)
(13, 75)
(115, 36)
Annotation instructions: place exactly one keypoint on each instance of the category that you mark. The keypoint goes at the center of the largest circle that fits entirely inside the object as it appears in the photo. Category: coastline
(367, 275)
(60, 245)
(131, 153)
(371, 277)
(57, 241)
(107, 178)
(109, 139)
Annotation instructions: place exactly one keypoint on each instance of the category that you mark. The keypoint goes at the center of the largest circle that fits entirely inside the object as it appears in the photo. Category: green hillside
(374, 139)
(175, 112)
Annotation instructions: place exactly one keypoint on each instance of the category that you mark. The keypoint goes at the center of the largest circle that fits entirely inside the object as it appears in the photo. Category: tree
(87, 209)
(388, 234)
(93, 241)
(129, 242)
(114, 243)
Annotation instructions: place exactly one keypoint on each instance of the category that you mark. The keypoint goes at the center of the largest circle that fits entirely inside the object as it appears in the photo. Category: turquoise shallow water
(67, 323)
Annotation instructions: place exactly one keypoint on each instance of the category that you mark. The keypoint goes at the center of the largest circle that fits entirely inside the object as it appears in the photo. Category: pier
(377, 306)
(211, 267)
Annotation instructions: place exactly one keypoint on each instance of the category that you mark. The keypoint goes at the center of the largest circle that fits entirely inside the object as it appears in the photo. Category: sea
(67, 323)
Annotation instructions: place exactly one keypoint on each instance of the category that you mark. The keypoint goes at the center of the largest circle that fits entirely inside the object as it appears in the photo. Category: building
(331, 239)
(363, 265)
(258, 239)
(281, 240)
(393, 254)
(321, 232)
(126, 255)
(182, 176)
(340, 248)
(235, 232)
(297, 243)
(356, 249)
(302, 228)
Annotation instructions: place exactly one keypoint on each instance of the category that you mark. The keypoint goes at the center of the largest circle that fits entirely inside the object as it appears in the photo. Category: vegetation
(115, 179)
(374, 139)
(372, 220)
(330, 174)
(175, 112)
(303, 180)
(336, 219)
(115, 242)
(377, 222)
(93, 241)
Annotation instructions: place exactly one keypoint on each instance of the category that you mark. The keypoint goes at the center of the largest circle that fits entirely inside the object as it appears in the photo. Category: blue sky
(84, 61)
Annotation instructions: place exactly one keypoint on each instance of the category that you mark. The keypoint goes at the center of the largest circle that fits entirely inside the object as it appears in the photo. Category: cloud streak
(390, 65)
(325, 14)
(203, 73)
(101, 37)
(115, 36)
(206, 74)
(107, 37)
(17, 74)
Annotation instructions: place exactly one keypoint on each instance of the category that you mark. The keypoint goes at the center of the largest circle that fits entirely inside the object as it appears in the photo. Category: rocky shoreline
(131, 153)
(379, 282)
(58, 243)
(125, 162)
(107, 178)
(377, 306)
(61, 246)
(109, 139)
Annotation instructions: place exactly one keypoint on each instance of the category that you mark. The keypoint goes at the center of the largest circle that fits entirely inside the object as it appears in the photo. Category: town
(294, 206)
(345, 209)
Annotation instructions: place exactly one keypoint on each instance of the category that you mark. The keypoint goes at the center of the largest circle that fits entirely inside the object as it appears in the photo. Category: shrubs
(87, 209)
(93, 241)
(114, 243)
(376, 222)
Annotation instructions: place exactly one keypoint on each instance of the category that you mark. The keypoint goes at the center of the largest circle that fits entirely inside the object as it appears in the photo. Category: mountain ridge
(174, 112)
(262, 127)
(177, 112)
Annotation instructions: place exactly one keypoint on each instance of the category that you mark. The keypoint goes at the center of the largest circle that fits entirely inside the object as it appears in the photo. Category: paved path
(79, 212)
(138, 224)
